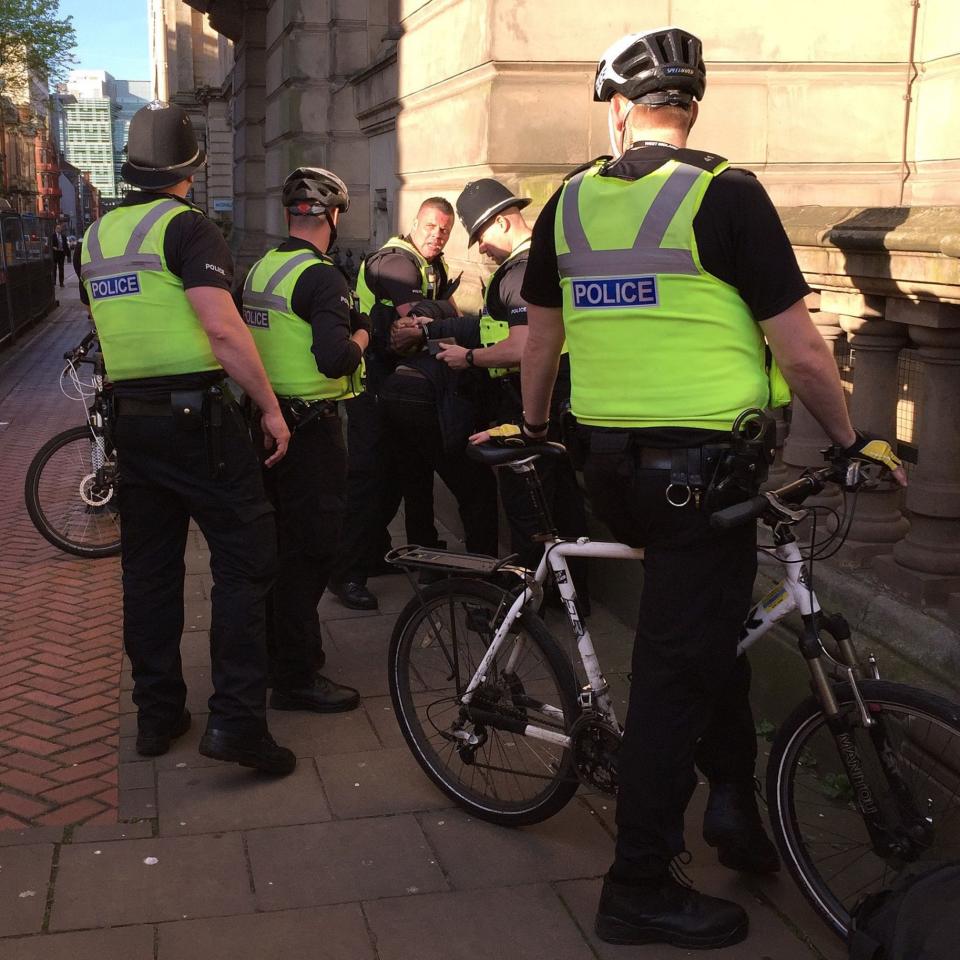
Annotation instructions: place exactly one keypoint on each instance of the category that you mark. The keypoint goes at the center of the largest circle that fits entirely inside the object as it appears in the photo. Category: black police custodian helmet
(161, 147)
(641, 64)
(481, 201)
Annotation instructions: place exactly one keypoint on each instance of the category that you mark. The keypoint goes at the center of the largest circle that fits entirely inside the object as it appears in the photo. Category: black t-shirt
(321, 297)
(196, 252)
(740, 240)
(394, 275)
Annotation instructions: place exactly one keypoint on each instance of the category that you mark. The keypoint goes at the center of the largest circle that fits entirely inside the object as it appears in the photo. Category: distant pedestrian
(60, 248)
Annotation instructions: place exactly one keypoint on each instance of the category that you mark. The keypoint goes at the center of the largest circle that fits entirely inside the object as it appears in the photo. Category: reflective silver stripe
(143, 227)
(265, 301)
(646, 254)
(131, 258)
(110, 266)
(286, 269)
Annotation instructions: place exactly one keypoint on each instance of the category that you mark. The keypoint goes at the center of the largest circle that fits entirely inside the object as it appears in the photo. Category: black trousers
(308, 490)
(165, 479)
(688, 700)
(413, 430)
(58, 260)
(373, 491)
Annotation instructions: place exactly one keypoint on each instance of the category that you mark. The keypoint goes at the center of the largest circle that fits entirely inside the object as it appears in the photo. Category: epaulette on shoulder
(742, 170)
(700, 159)
(586, 166)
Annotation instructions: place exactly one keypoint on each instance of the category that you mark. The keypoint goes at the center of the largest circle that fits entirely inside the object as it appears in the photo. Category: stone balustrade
(888, 279)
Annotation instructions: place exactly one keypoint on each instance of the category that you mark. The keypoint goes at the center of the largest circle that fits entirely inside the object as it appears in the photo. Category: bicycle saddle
(500, 455)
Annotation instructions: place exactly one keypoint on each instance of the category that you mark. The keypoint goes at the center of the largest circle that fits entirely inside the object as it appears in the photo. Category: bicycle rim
(70, 494)
(499, 775)
(822, 835)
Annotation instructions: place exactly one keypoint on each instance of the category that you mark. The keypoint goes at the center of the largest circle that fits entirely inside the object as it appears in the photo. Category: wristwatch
(469, 358)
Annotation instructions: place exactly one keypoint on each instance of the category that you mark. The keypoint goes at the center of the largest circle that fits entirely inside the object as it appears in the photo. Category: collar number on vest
(120, 286)
(256, 318)
(612, 292)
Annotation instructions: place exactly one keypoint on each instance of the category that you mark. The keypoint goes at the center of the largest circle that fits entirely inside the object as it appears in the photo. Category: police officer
(157, 276)
(406, 277)
(664, 269)
(299, 310)
(492, 216)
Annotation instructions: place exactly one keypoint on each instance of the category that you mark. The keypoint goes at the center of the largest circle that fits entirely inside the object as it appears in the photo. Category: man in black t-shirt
(311, 340)
(493, 218)
(406, 278)
(672, 270)
(157, 275)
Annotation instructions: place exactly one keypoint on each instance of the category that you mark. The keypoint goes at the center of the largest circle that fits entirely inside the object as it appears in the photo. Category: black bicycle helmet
(647, 63)
(312, 191)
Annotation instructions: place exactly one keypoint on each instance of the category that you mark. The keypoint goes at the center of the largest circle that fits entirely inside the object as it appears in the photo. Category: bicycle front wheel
(70, 492)
(819, 829)
(499, 775)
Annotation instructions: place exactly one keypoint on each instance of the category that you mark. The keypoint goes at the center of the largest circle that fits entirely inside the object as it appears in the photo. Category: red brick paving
(60, 639)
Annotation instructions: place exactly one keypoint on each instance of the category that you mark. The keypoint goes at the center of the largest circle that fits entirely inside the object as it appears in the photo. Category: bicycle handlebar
(774, 502)
(82, 348)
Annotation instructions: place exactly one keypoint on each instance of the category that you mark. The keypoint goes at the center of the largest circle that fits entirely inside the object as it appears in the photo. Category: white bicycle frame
(789, 594)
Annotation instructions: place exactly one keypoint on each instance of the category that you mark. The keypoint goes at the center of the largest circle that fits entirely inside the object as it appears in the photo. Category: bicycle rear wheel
(820, 832)
(499, 775)
(70, 492)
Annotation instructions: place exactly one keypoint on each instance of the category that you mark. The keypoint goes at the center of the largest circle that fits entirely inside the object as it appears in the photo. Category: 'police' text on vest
(115, 286)
(612, 292)
(256, 318)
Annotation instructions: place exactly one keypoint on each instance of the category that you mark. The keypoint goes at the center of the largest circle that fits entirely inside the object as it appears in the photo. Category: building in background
(127, 96)
(190, 64)
(80, 202)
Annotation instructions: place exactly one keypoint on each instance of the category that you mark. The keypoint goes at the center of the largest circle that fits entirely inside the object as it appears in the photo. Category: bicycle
(863, 777)
(71, 483)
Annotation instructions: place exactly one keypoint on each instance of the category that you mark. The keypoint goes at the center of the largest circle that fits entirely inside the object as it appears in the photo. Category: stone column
(806, 438)
(878, 523)
(926, 564)
(248, 106)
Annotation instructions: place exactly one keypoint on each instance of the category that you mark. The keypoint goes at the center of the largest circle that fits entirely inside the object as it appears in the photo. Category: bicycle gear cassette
(596, 746)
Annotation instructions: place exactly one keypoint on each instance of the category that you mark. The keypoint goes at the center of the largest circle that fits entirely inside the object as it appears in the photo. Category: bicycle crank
(93, 492)
(596, 746)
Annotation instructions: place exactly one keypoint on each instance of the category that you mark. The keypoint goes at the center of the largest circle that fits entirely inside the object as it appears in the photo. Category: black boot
(155, 743)
(321, 696)
(354, 595)
(665, 911)
(732, 824)
(260, 752)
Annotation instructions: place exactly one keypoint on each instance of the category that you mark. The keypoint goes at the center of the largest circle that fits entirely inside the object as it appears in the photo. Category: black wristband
(534, 427)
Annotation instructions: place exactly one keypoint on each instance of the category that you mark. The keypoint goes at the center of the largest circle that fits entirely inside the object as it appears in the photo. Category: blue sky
(111, 36)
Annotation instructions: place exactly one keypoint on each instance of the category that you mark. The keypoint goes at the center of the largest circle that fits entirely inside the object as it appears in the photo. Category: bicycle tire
(52, 492)
(418, 659)
(821, 835)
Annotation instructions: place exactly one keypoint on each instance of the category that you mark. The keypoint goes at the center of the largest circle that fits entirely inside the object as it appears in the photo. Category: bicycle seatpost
(535, 488)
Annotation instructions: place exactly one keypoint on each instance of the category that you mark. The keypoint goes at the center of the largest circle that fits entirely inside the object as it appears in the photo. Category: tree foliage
(33, 36)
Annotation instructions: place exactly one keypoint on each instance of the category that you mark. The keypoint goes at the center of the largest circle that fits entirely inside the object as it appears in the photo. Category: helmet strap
(333, 230)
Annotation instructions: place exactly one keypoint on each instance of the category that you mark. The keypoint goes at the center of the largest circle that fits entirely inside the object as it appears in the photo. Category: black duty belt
(299, 412)
(130, 407)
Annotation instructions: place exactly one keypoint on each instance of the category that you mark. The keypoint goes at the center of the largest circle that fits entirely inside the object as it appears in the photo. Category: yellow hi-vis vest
(283, 338)
(146, 324)
(494, 330)
(654, 340)
(429, 278)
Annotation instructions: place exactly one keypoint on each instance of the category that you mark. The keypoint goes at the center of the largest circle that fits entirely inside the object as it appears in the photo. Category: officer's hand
(276, 434)
(506, 435)
(874, 450)
(406, 335)
(453, 355)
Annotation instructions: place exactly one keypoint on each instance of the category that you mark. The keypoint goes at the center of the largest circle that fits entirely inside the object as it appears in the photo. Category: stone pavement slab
(317, 735)
(108, 884)
(122, 943)
(506, 924)
(24, 876)
(229, 797)
(474, 853)
(377, 782)
(384, 720)
(340, 862)
(333, 933)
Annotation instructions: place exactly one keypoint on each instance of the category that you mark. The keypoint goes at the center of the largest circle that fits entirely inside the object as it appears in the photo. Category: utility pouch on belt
(187, 409)
(744, 467)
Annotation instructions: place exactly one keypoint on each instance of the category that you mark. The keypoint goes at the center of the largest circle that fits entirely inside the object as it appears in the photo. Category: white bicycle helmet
(656, 67)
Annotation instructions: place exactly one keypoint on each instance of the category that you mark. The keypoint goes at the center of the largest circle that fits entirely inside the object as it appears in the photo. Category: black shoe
(261, 753)
(668, 912)
(354, 595)
(156, 744)
(324, 696)
(732, 824)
